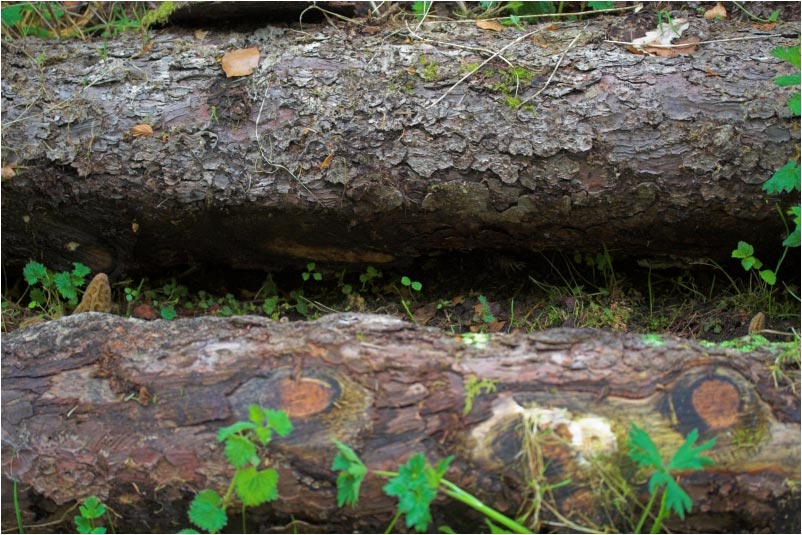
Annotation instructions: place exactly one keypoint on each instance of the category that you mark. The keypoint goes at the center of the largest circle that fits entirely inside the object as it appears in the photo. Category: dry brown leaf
(678, 51)
(326, 162)
(142, 130)
(493, 25)
(718, 12)
(241, 62)
(200, 35)
(423, 314)
(766, 27)
(7, 172)
(552, 27)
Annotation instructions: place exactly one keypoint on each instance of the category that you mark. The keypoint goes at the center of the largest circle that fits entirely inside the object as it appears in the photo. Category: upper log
(348, 145)
(129, 410)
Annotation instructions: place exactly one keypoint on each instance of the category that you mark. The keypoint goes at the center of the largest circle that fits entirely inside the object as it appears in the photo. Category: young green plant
(252, 486)
(415, 485)
(50, 291)
(413, 286)
(643, 451)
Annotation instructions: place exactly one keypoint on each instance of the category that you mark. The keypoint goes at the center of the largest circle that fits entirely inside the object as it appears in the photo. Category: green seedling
(413, 286)
(311, 273)
(486, 314)
(421, 9)
(90, 510)
(643, 451)
(250, 485)
(50, 291)
(415, 485)
(368, 276)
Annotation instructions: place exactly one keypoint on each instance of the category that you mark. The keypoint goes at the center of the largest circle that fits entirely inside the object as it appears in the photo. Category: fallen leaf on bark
(678, 51)
(142, 130)
(489, 25)
(241, 62)
(717, 12)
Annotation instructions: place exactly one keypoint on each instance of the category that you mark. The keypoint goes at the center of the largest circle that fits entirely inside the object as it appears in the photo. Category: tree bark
(348, 145)
(129, 410)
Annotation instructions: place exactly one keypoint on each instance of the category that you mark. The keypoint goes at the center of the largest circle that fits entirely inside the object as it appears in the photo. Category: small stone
(144, 312)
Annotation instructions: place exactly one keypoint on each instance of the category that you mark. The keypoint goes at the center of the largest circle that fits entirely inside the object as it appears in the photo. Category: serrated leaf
(744, 250)
(263, 434)
(352, 472)
(239, 450)
(256, 414)
(34, 272)
(677, 499)
(642, 449)
(256, 487)
(64, 286)
(787, 79)
(224, 432)
(687, 456)
(414, 494)
(790, 54)
(279, 422)
(79, 270)
(206, 511)
(784, 179)
(794, 103)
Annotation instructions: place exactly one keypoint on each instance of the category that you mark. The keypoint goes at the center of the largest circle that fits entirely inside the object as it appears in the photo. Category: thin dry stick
(485, 62)
(559, 62)
(686, 45)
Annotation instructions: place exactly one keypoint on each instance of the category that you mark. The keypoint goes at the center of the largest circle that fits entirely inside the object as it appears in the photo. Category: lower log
(129, 410)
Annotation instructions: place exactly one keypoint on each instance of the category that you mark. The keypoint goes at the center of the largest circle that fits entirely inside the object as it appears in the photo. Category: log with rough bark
(129, 410)
(370, 144)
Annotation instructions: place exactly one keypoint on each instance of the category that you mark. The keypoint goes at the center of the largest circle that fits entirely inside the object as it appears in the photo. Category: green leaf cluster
(50, 290)
(785, 180)
(643, 451)
(415, 486)
(90, 510)
(252, 486)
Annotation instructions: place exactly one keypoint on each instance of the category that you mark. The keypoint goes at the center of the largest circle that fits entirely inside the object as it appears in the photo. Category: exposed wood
(333, 151)
(128, 410)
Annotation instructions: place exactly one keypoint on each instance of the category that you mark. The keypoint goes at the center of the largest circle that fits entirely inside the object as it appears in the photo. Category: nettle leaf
(80, 271)
(352, 472)
(65, 286)
(206, 511)
(256, 414)
(224, 432)
(240, 450)
(744, 250)
(34, 272)
(279, 422)
(784, 179)
(642, 449)
(411, 487)
(256, 487)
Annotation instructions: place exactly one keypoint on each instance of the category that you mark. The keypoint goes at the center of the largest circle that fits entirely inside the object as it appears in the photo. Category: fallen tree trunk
(348, 145)
(129, 410)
